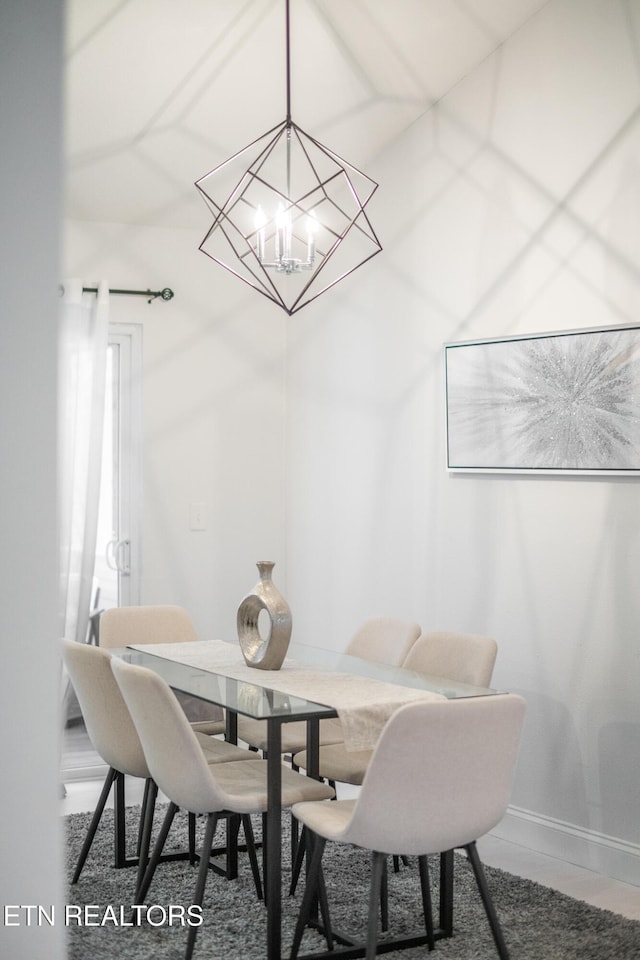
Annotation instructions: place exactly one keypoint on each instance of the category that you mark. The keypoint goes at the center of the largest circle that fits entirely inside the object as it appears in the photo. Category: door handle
(118, 556)
(122, 555)
(109, 554)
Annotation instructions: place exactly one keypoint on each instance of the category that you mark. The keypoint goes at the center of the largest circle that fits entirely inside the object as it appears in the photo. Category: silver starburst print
(568, 401)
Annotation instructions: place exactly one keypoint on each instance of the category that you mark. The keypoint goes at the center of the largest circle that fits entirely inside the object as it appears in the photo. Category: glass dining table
(312, 684)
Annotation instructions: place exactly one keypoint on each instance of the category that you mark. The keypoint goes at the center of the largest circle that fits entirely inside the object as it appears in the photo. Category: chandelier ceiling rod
(288, 82)
(288, 65)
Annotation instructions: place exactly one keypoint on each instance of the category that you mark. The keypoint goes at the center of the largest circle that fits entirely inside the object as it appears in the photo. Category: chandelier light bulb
(312, 229)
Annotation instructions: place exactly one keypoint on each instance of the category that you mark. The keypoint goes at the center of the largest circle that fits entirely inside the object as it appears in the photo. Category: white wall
(318, 441)
(510, 207)
(30, 175)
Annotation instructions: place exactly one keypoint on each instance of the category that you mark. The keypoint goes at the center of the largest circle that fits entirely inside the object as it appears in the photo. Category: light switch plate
(197, 520)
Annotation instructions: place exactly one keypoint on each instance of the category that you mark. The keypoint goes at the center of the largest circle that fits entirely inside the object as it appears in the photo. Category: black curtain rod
(165, 294)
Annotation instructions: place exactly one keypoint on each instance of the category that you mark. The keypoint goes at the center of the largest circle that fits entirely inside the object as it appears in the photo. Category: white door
(117, 562)
(118, 547)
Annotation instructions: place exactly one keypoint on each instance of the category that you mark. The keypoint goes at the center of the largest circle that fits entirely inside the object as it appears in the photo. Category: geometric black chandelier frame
(289, 214)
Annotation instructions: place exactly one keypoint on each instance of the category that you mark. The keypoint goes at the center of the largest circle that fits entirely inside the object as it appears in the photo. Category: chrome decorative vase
(265, 653)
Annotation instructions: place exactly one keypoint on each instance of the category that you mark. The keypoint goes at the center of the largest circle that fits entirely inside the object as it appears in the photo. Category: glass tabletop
(249, 699)
(259, 701)
(338, 662)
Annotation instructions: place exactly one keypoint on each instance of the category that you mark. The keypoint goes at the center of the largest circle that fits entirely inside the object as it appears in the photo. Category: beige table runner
(363, 705)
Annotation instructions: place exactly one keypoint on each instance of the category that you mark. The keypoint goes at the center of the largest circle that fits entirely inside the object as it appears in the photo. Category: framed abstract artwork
(552, 403)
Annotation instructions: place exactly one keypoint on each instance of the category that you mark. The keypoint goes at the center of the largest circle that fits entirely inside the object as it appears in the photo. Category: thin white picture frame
(556, 403)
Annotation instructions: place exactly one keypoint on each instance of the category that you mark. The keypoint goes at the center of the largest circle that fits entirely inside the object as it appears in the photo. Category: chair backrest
(440, 775)
(163, 623)
(107, 719)
(384, 640)
(171, 748)
(465, 657)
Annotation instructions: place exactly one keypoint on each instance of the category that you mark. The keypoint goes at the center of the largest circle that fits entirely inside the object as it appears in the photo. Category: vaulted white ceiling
(161, 91)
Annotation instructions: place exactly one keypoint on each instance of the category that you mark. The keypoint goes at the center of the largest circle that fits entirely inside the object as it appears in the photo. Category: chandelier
(289, 213)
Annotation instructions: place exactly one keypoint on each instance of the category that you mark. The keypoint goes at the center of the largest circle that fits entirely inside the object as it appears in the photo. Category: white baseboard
(618, 859)
(93, 772)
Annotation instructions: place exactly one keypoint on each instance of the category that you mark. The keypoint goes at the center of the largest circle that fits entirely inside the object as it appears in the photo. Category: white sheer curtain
(83, 357)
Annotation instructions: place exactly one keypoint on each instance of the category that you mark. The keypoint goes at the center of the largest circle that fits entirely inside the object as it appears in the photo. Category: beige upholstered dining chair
(161, 623)
(456, 793)
(379, 639)
(178, 767)
(463, 657)
(114, 737)
(384, 640)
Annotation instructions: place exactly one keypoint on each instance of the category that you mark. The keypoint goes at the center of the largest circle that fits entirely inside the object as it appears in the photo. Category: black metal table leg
(273, 840)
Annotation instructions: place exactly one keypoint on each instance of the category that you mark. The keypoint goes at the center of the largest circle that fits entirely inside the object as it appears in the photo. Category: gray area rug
(538, 923)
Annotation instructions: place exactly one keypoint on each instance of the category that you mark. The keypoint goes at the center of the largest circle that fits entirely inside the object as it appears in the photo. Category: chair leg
(295, 839)
(378, 862)
(446, 892)
(299, 860)
(191, 832)
(119, 822)
(233, 829)
(425, 887)
(310, 889)
(492, 916)
(146, 823)
(154, 860)
(384, 897)
(294, 822)
(322, 892)
(95, 820)
(145, 801)
(198, 897)
(251, 850)
(324, 908)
